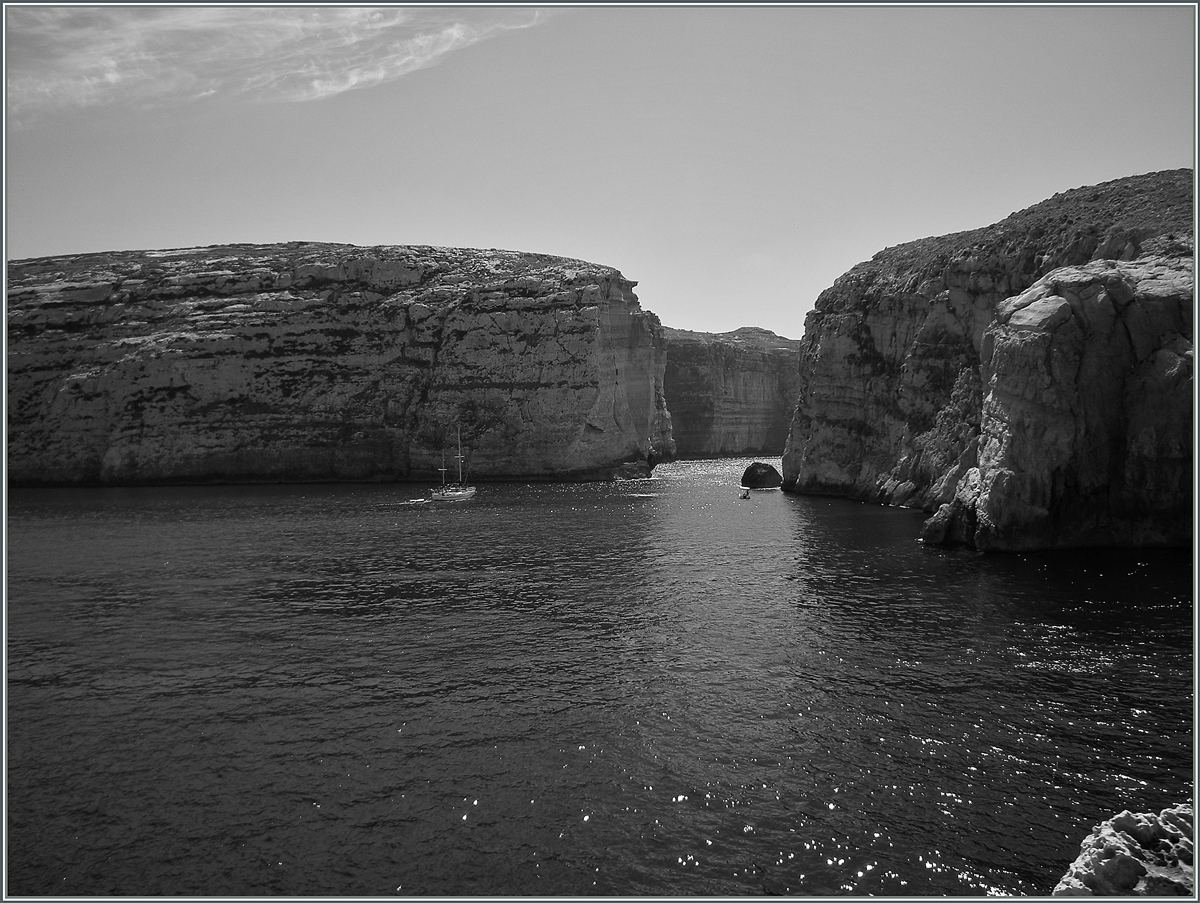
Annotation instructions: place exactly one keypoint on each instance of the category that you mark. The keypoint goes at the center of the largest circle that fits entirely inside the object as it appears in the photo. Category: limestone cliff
(1139, 854)
(911, 361)
(730, 393)
(326, 362)
(1086, 423)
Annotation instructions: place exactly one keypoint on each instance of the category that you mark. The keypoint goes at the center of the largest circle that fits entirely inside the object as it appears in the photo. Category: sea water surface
(649, 687)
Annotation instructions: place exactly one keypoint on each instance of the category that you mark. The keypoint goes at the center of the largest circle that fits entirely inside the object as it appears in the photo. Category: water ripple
(649, 687)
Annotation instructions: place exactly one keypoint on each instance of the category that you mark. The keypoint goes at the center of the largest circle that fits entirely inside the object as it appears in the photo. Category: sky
(733, 160)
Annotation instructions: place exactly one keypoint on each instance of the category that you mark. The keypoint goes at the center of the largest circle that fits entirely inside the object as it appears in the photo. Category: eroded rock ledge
(1033, 376)
(1135, 854)
(326, 362)
(730, 393)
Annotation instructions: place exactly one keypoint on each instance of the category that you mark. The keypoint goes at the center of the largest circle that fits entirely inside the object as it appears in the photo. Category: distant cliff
(730, 393)
(304, 362)
(1030, 381)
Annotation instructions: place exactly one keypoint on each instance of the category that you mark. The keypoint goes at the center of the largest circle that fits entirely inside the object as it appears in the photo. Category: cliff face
(327, 362)
(911, 360)
(730, 393)
(1086, 427)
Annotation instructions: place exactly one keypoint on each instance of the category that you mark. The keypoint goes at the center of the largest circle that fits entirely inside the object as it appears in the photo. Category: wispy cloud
(76, 56)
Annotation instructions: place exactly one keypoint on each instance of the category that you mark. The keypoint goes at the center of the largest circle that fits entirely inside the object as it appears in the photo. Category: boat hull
(452, 495)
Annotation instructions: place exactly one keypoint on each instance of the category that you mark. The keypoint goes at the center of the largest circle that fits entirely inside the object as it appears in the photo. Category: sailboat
(453, 492)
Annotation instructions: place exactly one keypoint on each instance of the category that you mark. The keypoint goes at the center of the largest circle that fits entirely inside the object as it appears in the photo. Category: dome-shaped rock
(761, 476)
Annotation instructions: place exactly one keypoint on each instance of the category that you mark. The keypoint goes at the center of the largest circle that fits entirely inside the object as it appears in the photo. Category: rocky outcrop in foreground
(327, 362)
(1142, 854)
(1030, 382)
(730, 393)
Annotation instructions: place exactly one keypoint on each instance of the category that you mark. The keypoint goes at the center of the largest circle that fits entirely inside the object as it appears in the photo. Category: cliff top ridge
(1121, 219)
(429, 261)
(745, 336)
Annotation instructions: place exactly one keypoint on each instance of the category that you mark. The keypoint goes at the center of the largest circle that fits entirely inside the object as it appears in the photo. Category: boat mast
(460, 455)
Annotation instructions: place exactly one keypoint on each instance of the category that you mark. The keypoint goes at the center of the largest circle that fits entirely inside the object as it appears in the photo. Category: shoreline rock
(1135, 854)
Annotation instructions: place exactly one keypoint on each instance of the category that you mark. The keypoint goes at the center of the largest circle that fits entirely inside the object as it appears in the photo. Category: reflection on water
(651, 687)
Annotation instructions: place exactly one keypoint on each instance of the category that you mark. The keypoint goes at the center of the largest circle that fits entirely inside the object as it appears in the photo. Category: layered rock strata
(730, 393)
(1139, 854)
(307, 362)
(1033, 376)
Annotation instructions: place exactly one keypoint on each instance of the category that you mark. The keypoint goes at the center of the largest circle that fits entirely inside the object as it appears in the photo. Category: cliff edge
(1030, 382)
(324, 362)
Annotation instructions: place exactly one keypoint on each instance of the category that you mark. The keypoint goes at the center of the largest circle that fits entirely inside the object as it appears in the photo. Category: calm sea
(639, 688)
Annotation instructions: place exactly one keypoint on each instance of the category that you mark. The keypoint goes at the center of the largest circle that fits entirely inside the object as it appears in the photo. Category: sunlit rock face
(1086, 426)
(730, 393)
(298, 362)
(908, 360)
(1135, 854)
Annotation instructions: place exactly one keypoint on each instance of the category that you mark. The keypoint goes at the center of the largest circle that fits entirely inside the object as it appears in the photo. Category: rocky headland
(1140, 854)
(1030, 382)
(730, 393)
(325, 362)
